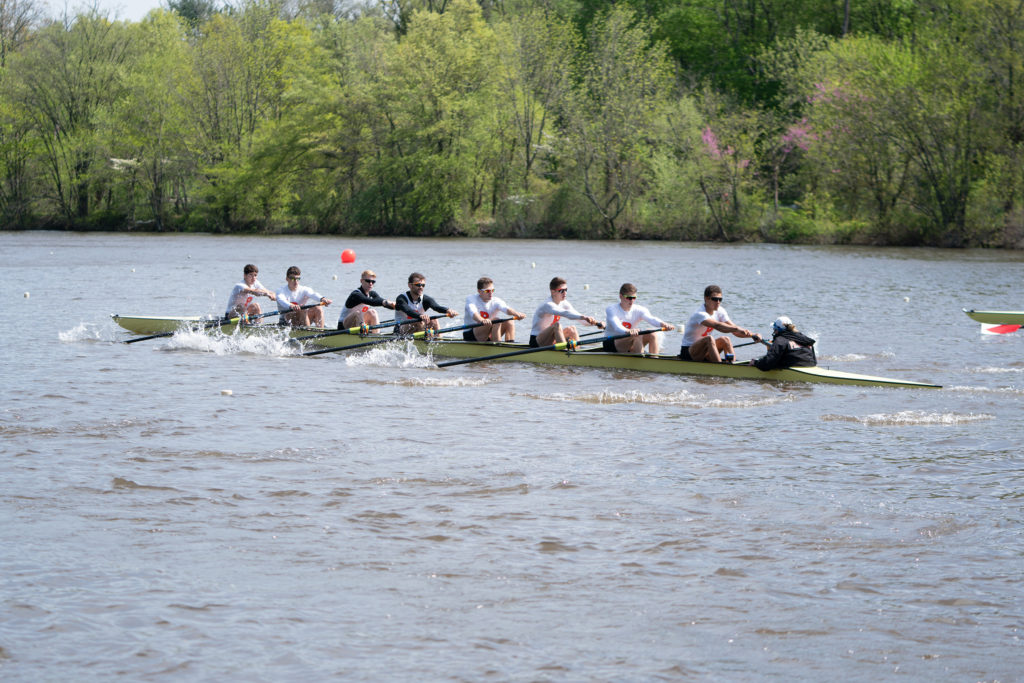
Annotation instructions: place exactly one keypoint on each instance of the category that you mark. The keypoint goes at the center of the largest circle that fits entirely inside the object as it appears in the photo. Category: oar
(751, 343)
(361, 329)
(219, 322)
(415, 335)
(569, 345)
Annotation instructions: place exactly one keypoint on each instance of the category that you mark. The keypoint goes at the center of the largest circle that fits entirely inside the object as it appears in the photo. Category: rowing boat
(660, 364)
(593, 358)
(149, 324)
(996, 317)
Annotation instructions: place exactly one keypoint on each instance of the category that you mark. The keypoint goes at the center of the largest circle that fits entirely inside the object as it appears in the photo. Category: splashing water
(265, 342)
(396, 354)
(82, 332)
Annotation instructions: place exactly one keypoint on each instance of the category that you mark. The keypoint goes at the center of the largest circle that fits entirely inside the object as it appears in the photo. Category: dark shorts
(609, 345)
(533, 342)
(467, 335)
(684, 353)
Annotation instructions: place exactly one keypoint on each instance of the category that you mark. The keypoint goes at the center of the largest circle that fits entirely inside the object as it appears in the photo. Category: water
(372, 517)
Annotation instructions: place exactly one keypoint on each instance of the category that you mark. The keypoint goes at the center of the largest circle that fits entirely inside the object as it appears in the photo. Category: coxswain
(790, 348)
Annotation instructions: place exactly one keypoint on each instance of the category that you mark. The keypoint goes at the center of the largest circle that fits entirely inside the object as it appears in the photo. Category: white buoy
(26, 295)
(226, 392)
(759, 272)
(533, 265)
(133, 270)
(334, 277)
(906, 298)
(586, 286)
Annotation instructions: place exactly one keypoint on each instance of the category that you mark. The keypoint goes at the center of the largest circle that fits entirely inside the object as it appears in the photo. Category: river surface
(371, 517)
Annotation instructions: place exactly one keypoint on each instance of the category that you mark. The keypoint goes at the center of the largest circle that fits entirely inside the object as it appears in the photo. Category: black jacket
(780, 355)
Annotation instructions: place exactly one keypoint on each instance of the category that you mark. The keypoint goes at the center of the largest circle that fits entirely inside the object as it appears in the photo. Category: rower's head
(367, 280)
(627, 295)
(416, 283)
(783, 324)
(485, 287)
(249, 273)
(559, 288)
(293, 276)
(712, 298)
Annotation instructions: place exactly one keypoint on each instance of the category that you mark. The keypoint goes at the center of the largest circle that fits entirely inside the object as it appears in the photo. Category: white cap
(781, 323)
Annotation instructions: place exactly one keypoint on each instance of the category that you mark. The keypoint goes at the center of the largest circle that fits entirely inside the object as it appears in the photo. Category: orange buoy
(348, 256)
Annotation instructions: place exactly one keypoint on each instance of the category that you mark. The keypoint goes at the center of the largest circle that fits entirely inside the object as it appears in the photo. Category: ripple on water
(681, 398)
(435, 381)
(909, 418)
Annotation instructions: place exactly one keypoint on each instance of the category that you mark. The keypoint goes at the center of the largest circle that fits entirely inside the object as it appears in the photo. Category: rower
(790, 348)
(412, 306)
(293, 297)
(482, 308)
(359, 305)
(242, 300)
(546, 329)
(698, 342)
(624, 318)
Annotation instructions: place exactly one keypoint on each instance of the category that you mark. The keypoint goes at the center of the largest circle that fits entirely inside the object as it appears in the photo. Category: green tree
(432, 132)
(623, 86)
(62, 80)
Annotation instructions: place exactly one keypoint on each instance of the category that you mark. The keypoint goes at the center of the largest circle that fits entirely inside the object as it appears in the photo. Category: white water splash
(678, 398)
(393, 354)
(910, 418)
(266, 342)
(81, 332)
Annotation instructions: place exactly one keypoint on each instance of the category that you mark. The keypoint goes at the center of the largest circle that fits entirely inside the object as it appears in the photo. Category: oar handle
(361, 329)
(415, 335)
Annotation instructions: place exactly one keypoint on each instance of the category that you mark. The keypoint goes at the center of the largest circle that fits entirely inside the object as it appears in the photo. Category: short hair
(712, 289)
(367, 273)
(483, 282)
(416, 276)
(250, 268)
(292, 270)
(556, 282)
(627, 288)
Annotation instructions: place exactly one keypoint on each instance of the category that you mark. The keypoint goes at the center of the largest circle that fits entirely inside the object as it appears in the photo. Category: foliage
(884, 121)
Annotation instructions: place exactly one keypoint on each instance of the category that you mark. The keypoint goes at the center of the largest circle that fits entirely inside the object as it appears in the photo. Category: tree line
(813, 121)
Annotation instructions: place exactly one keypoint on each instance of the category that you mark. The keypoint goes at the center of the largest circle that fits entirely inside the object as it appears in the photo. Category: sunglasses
(420, 285)
(295, 277)
(716, 298)
(488, 291)
(563, 290)
(631, 297)
(369, 281)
